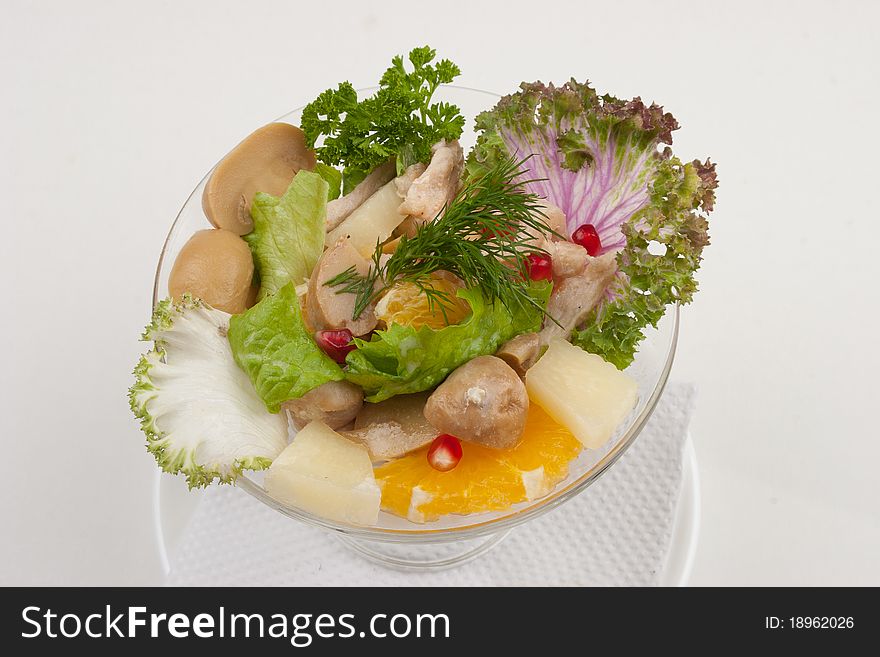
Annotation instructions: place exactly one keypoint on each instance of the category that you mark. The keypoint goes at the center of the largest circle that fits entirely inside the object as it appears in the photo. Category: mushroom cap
(521, 352)
(216, 266)
(483, 401)
(265, 161)
(335, 403)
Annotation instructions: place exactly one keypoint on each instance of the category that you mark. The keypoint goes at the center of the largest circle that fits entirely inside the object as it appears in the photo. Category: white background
(111, 112)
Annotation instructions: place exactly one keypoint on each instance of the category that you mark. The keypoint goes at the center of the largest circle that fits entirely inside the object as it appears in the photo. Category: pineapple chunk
(373, 221)
(323, 473)
(581, 391)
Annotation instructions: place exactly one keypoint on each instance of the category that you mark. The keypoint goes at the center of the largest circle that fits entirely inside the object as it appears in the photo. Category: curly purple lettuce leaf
(599, 159)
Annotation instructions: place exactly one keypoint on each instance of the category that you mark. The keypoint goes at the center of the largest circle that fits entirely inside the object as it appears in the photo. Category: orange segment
(405, 304)
(485, 479)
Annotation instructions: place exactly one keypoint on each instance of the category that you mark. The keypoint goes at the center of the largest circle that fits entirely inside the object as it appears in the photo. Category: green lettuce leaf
(288, 235)
(403, 360)
(271, 344)
(333, 176)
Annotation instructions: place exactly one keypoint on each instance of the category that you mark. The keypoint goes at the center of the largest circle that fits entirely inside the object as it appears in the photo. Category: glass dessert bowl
(453, 539)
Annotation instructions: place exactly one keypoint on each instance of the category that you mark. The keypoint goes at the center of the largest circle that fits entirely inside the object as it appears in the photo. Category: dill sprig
(483, 237)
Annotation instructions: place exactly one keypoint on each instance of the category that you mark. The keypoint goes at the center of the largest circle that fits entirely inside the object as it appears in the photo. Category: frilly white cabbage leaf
(198, 409)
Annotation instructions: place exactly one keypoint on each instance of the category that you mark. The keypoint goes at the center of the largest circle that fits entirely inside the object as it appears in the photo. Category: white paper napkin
(616, 533)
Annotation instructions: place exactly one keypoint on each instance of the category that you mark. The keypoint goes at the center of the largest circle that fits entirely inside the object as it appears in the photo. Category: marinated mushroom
(265, 161)
(252, 295)
(394, 427)
(520, 352)
(483, 401)
(325, 309)
(216, 266)
(335, 403)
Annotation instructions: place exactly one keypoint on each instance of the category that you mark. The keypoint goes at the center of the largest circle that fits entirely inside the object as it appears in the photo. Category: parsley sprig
(399, 120)
(483, 237)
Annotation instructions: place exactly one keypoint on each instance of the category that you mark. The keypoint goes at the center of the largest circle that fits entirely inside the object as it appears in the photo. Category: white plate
(174, 505)
(686, 527)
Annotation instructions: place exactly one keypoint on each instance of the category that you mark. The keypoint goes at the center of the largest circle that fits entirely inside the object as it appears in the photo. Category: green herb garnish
(399, 120)
(483, 237)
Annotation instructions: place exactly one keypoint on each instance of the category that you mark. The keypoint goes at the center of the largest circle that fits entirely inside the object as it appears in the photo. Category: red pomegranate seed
(336, 344)
(539, 267)
(444, 453)
(506, 232)
(588, 238)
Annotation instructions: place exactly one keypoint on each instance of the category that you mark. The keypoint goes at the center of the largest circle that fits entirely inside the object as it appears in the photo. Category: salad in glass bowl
(387, 331)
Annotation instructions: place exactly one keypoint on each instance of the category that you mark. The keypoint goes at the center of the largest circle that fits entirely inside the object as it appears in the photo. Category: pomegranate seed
(506, 232)
(588, 238)
(444, 453)
(539, 267)
(336, 344)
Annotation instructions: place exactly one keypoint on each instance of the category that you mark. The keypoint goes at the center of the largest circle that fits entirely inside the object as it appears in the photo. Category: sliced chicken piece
(430, 192)
(392, 428)
(325, 309)
(568, 258)
(574, 298)
(335, 403)
(339, 209)
(404, 181)
(554, 217)
(410, 225)
(520, 352)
